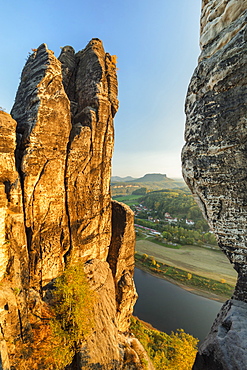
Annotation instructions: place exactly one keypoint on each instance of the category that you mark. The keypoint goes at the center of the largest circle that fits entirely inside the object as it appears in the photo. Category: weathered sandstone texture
(56, 207)
(214, 160)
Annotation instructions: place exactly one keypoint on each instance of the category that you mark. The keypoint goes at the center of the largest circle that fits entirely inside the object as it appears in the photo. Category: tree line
(178, 203)
(178, 234)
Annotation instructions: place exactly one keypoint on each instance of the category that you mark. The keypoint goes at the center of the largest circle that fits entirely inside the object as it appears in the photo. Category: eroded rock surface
(56, 207)
(214, 156)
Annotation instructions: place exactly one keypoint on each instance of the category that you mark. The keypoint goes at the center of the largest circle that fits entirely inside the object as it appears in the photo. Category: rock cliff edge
(214, 164)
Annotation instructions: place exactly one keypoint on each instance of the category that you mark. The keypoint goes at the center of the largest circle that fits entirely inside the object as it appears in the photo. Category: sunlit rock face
(42, 112)
(14, 277)
(91, 84)
(56, 206)
(221, 20)
(215, 154)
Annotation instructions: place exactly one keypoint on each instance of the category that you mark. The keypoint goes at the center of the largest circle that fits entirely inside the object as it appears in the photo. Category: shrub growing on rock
(72, 310)
(64, 323)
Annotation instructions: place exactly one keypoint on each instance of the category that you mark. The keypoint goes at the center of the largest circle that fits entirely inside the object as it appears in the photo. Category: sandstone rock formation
(214, 161)
(56, 206)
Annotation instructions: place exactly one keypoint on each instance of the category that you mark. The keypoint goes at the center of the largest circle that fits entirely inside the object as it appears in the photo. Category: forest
(179, 203)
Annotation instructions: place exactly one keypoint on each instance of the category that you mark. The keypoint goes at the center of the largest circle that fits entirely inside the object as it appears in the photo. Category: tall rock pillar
(56, 210)
(42, 112)
(90, 82)
(215, 164)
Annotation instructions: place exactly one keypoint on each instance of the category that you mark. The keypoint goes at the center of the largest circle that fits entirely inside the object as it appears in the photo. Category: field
(197, 260)
(128, 199)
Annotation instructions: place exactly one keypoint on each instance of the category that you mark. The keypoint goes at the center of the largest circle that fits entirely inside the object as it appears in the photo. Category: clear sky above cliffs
(156, 42)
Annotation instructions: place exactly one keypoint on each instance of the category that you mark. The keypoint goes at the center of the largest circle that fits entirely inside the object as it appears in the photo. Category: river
(168, 307)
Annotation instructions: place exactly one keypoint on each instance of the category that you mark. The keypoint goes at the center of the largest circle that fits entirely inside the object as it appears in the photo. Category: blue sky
(157, 45)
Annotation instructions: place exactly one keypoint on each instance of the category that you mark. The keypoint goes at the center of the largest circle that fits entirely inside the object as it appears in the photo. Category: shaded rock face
(121, 260)
(214, 156)
(225, 346)
(56, 206)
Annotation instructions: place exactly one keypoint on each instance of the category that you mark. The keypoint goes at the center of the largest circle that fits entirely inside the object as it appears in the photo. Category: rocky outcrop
(121, 261)
(214, 156)
(225, 346)
(56, 207)
(107, 344)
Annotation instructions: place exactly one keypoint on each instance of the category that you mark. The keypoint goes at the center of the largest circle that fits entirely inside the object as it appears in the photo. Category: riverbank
(206, 262)
(199, 285)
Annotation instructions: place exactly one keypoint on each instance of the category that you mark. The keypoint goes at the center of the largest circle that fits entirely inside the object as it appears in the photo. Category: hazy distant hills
(151, 181)
(123, 179)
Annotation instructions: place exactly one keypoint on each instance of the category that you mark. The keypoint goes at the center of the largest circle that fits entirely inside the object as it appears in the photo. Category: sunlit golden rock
(56, 210)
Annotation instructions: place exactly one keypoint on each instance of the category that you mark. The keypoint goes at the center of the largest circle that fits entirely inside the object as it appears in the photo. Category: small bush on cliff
(63, 326)
(167, 352)
(72, 310)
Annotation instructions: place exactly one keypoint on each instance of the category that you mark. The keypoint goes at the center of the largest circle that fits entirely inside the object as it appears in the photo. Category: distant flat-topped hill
(153, 177)
(150, 181)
